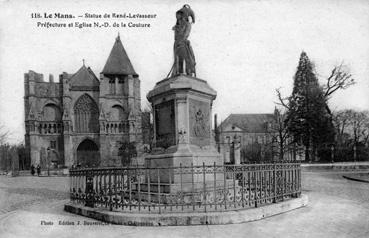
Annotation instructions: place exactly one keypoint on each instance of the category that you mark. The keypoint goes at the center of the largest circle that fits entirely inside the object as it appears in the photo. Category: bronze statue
(184, 59)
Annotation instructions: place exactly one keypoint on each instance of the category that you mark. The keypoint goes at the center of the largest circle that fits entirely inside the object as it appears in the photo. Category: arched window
(112, 86)
(51, 113)
(118, 113)
(86, 115)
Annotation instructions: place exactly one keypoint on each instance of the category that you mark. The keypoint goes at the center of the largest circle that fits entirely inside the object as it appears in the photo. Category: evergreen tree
(307, 118)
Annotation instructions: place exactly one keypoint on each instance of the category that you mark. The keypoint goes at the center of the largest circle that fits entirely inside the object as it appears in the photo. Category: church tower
(120, 106)
(84, 121)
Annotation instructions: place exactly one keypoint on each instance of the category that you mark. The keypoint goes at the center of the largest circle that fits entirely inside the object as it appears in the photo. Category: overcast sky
(244, 49)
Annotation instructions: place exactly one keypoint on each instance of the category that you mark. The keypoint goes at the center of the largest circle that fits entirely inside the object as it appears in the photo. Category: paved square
(33, 207)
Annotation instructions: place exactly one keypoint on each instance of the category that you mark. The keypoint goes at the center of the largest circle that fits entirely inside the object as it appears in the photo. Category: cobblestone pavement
(21, 192)
(337, 208)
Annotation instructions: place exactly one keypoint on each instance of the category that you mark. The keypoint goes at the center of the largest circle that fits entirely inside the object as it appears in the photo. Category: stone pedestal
(182, 131)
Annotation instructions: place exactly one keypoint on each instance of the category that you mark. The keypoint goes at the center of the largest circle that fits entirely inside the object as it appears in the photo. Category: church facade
(83, 120)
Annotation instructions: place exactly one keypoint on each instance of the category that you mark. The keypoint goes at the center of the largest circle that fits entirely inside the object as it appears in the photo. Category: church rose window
(86, 115)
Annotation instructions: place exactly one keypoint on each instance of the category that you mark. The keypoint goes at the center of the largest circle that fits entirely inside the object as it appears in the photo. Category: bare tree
(339, 78)
(353, 123)
(283, 101)
(4, 134)
(281, 140)
(359, 124)
(341, 120)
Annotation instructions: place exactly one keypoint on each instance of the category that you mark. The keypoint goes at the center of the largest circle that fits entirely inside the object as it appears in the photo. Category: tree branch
(282, 100)
(338, 79)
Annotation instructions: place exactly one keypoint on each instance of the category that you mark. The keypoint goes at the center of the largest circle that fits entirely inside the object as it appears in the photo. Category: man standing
(32, 170)
(38, 170)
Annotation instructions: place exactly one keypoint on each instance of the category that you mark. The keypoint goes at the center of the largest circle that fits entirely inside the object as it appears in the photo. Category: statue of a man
(184, 59)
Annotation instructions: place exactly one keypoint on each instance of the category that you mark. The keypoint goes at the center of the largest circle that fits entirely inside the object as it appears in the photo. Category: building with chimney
(82, 119)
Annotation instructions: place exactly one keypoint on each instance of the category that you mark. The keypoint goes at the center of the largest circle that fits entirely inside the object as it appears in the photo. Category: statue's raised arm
(184, 59)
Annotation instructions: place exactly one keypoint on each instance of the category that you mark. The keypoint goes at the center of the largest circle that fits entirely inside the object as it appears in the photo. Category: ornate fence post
(255, 185)
(225, 191)
(234, 185)
(204, 184)
(110, 194)
(159, 198)
(275, 182)
(149, 188)
(89, 190)
(284, 179)
(193, 187)
(71, 184)
(299, 180)
(181, 182)
(215, 184)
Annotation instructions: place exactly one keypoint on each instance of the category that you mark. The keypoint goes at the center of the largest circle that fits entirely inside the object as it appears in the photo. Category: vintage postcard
(184, 119)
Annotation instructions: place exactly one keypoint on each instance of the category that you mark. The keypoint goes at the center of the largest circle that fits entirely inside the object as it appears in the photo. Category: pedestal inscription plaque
(165, 124)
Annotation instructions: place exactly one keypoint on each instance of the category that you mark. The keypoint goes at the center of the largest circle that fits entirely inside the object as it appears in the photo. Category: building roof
(118, 61)
(252, 123)
(84, 77)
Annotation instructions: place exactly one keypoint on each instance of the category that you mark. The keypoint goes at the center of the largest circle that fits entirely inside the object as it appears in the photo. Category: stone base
(181, 171)
(188, 217)
(184, 155)
(170, 193)
(188, 161)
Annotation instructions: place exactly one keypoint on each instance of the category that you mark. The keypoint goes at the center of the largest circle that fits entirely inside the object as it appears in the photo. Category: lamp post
(355, 155)
(332, 153)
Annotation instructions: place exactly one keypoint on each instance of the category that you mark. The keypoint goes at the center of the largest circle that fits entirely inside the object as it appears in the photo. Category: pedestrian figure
(38, 170)
(32, 170)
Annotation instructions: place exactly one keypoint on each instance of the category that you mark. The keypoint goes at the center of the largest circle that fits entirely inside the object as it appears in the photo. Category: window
(51, 113)
(112, 86)
(119, 89)
(86, 115)
(53, 144)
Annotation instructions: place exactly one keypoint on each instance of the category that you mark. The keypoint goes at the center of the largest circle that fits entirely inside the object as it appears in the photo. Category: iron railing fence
(185, 188)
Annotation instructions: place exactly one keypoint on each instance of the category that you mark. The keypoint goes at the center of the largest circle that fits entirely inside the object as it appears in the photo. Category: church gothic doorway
(88, 154)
